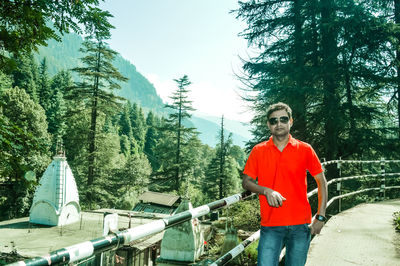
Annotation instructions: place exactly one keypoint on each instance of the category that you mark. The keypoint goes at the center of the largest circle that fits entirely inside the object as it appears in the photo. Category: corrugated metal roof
(159, 198)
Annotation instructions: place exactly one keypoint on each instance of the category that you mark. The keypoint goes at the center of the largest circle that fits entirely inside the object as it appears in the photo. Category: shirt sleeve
(313, 164)
(251, 167)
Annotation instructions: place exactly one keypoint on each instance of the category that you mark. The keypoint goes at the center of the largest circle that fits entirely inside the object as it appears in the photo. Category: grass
(396, 222)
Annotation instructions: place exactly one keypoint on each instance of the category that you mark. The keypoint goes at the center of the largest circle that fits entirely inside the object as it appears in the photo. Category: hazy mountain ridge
(65, 55)
(209, 132)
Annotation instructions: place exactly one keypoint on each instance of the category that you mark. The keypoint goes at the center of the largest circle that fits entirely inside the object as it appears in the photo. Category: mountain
(66, 55)
(209, 131)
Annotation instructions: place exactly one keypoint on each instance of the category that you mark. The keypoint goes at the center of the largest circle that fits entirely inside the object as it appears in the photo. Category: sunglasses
(282, 119)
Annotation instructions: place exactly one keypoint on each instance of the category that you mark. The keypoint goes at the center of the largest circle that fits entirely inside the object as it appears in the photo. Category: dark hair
(279, 106)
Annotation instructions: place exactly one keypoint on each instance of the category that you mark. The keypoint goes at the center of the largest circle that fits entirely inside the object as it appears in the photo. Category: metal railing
(233, 253)
(240, 248)
(115, 240)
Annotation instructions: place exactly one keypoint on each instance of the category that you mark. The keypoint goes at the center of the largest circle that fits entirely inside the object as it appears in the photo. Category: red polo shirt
(286, 173)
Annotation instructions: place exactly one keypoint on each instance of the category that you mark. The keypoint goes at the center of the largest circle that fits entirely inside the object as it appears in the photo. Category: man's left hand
(316, 226)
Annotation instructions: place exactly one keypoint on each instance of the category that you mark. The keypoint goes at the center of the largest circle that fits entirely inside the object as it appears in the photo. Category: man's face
(279, 123)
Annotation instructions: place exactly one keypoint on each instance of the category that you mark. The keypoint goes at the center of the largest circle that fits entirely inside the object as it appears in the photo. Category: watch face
(321, 218)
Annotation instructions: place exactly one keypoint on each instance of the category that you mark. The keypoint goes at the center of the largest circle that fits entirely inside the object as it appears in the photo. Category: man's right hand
(275, 199)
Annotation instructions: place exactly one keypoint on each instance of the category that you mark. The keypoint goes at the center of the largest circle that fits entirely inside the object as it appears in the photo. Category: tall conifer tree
(171, 150)
(99, 79)
(44, 89)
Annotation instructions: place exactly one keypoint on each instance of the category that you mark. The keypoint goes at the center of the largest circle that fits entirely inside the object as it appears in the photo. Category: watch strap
(320, 218)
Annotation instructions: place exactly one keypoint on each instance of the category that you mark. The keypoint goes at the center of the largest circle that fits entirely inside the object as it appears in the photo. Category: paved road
(363, 235)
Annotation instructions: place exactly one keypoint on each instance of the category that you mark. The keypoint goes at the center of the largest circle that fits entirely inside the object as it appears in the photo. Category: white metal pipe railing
(240, 248)
(114, 241)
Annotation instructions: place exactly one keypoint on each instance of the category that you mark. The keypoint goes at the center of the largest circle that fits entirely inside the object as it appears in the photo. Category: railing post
(382, 190)
(338, 187)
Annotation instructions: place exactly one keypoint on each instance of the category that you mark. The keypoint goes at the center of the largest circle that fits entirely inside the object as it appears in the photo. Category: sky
(167, 39)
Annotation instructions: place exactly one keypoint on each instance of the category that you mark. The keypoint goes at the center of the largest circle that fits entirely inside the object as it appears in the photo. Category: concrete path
(363, 235)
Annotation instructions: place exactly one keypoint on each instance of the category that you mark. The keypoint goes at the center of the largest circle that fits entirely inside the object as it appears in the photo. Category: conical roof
(56, 199)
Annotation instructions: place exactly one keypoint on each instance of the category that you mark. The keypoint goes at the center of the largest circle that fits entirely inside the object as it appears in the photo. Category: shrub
(396, 220)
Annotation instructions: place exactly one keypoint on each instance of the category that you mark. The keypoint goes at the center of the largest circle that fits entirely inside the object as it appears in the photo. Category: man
(280, 167)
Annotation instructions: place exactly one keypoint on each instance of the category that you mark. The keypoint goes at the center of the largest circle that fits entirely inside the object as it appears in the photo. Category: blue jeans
(296, 238)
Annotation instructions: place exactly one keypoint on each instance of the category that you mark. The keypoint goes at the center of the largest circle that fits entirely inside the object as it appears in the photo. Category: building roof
(31, 240)
(56, 199)
(159, 198)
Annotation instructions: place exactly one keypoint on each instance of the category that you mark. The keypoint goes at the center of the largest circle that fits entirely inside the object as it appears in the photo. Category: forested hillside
(65, 55)
(336, 63)
(82, 99)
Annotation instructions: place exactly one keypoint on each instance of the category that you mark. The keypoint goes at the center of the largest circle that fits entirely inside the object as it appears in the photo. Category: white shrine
(56, 199)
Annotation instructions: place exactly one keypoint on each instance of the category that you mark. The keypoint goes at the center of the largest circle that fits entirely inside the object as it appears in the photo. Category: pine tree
(56, 118)
(61, 82)
(152, 137)
(138, 125)
(57, 107)
(328, 61)
(5, 82)
(44, 89)
(129, 181)
(222, 174)
(25, 76)
(125, 130)
(99, 79)
(175, 136)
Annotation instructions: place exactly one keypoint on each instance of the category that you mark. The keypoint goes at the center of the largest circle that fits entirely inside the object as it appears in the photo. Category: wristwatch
(320, 218)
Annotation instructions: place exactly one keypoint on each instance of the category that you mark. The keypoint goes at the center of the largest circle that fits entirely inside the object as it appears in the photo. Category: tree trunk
(300, 99)
(397, 90)
(349, 97)
(329, 78)
(221, 160)
(178, 148)
(92, 132)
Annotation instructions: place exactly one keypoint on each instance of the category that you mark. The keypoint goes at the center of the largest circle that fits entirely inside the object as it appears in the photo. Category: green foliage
(177, 149)
(330, 62)
(222, 173)
(26, 76)
(138, 123)
(5, 82)
(164, 178)
(250, 254)
(152, 137)
(57, 107)
(23, 147)
(27, 119)
(65, 55)
(99, 79)
(138, 89)
(396, 220)
(43, 86)
(240, 214)
(112, 151)
(24, 25)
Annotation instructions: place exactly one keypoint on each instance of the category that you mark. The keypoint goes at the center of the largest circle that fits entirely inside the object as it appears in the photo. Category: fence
(382, 189)
(86, 249)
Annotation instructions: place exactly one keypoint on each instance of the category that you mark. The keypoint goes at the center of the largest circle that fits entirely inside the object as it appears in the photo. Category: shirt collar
(292, 141)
